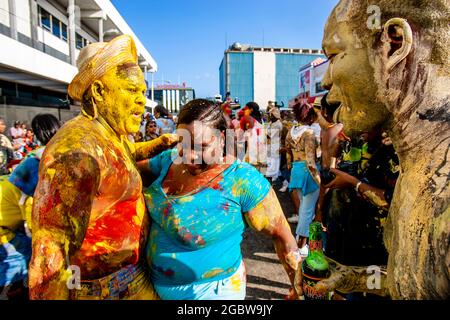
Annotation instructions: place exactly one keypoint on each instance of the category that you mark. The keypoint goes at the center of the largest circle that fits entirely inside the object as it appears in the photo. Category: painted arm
(149, 149)
(310, 152)
(61, 212)
(268, 217)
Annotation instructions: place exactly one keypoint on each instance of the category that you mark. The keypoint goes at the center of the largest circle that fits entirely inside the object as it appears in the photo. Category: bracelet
(357, 186)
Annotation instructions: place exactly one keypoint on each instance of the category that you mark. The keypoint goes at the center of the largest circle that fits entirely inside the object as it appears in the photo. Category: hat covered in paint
(96, 59)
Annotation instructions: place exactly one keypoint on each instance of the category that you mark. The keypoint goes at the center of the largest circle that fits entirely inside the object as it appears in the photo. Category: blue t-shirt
(196, 238)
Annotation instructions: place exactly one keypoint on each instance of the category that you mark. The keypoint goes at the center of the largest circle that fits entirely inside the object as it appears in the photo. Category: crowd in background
(335, 195)
(287, 146)
(15, 143)
(156, 124)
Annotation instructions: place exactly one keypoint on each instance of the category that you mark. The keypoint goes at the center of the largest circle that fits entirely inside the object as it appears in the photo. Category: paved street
(266, 278)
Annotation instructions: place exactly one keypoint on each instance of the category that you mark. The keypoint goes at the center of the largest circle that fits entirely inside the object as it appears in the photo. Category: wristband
(357, 186)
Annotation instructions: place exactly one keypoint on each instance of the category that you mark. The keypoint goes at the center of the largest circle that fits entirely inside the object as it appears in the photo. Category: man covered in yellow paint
(89, 221)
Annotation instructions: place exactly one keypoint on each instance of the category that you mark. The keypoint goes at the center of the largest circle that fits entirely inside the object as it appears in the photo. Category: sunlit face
(124, 99)
(2, 126)
(201, 146)
(350, 79)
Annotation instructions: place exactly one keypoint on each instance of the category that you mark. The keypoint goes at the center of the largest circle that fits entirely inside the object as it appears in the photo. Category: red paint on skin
(114, 229)
(47, 215)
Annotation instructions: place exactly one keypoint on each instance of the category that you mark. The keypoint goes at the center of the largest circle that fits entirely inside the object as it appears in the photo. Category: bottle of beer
(315, 267)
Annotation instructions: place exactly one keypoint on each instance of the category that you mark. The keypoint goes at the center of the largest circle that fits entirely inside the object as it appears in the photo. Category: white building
(39, 43)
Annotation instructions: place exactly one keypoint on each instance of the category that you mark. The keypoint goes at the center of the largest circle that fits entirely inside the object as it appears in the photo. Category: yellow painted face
(123, 99)
(350, 78)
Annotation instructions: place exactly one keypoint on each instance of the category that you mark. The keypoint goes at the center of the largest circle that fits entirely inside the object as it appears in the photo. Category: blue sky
(187, 38)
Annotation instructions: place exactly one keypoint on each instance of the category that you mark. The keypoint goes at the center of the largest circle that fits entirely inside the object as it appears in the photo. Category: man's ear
(97, 91)
(397, 41)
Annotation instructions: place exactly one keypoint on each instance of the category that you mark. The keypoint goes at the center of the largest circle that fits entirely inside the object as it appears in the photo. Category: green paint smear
(317, 261)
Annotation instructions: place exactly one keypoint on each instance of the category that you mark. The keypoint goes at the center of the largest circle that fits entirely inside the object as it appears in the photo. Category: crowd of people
(119, 207)
(329, 188)
(155, 125)
(287, 152)
(15, 143)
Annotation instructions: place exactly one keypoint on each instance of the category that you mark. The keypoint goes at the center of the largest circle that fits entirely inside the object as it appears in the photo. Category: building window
(52, 24)
(63, 31)
(56, 27)
(79, 41)
(45, 19)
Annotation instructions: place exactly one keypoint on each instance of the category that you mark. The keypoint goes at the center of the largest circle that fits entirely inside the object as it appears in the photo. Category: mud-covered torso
(117, 227)
(417, 235)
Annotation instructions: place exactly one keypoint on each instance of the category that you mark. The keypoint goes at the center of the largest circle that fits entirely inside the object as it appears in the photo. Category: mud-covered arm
(149, 149)
(310, 152)
(268, 217)
(348, 279)
(61, 211)
(374, 195)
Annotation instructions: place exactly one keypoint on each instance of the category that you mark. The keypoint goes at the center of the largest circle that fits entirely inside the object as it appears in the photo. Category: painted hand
(170, 140)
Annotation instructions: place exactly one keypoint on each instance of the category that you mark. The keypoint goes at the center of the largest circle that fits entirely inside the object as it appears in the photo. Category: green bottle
(315, 267)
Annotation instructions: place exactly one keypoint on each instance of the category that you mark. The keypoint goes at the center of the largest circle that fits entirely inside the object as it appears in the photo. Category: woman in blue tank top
(200, 205)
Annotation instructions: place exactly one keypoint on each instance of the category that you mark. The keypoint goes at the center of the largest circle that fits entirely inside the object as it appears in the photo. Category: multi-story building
(173, 97)
(40, 41)
(263, 74)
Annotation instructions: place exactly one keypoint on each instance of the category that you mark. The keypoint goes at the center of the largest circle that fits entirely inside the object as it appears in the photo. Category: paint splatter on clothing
(232, 287)
(195, 238)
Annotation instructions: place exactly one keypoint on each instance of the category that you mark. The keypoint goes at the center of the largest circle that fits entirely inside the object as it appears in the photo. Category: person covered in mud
(391, 70)
(200, 204)
(301, 145)
(89, 220)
